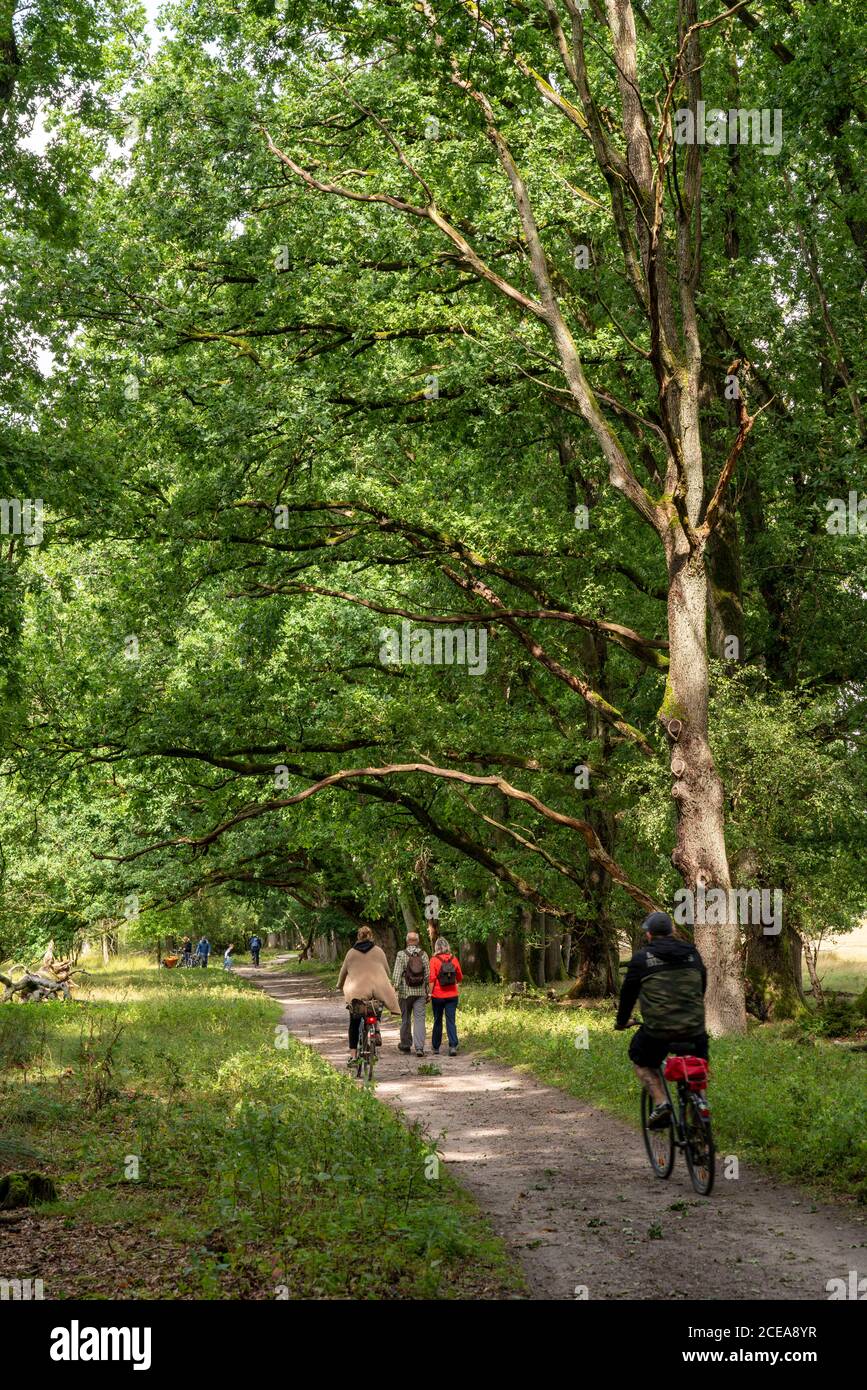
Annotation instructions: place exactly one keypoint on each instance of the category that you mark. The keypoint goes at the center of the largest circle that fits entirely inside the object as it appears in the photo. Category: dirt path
(568, 1186)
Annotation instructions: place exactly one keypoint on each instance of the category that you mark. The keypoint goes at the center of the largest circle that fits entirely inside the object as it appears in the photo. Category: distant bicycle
(689, 1128)
(369, 1037)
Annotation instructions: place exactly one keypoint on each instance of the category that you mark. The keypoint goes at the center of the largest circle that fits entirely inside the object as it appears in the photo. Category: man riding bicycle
(669, 979)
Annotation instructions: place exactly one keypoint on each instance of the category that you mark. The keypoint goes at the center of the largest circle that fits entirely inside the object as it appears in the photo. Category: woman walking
(445, 976)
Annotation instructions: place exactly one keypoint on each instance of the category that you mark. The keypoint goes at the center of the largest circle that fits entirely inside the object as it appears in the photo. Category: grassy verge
(794, 1104)
(325, 970)
(201, 1152)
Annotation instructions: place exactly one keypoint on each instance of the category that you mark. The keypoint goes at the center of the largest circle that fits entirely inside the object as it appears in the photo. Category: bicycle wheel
(368, 1053)
(361, 1061)
(699, 1151)
(659, 1143)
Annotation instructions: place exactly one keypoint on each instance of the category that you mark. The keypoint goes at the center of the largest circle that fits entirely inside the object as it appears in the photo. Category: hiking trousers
(412, 1022)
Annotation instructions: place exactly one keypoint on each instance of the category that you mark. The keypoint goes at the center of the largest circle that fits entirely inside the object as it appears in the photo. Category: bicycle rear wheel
(361, 1061)
(699, 1152)
(659, 1143)
(366, 1053)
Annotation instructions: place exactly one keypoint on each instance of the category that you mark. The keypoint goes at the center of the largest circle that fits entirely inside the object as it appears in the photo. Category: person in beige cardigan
(364, 974)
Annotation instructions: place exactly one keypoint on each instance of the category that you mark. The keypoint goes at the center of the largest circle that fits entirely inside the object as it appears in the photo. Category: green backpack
(672, 1004)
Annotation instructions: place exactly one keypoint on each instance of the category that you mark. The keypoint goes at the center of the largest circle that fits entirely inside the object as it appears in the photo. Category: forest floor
(200, 1151)
(568, 1187)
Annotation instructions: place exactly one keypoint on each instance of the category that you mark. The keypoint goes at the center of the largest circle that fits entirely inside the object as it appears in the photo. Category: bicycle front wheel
(659, 1143)
(699, 1151)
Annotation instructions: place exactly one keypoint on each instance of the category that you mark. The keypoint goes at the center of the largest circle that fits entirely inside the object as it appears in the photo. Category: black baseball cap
(658, 924)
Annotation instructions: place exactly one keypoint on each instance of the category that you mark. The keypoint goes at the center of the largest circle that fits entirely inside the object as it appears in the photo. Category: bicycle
(689, 1128)
(369, 1038)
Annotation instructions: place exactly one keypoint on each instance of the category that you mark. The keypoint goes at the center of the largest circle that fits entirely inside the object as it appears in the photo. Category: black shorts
(648, 1051)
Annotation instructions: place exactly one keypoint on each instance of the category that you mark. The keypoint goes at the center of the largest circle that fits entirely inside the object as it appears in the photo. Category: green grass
(327, 970)
(794, 1104)
(839, 970)
(274, 1175)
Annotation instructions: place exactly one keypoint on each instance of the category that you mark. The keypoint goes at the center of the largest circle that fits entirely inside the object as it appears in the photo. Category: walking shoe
(435, 1051)
(453, 1052)
(660, 1116)
(419, 1052)
(400, 1048)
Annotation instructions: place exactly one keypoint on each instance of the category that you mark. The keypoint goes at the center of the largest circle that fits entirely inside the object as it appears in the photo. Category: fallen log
(34, 988)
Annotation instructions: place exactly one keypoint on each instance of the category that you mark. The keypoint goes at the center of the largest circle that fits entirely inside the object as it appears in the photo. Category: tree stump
(25, 1190)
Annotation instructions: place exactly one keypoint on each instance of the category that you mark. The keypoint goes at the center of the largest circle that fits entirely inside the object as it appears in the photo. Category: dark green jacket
(668, 980)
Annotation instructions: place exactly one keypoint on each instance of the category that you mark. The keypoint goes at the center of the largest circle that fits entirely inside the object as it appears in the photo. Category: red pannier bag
(693, 1070)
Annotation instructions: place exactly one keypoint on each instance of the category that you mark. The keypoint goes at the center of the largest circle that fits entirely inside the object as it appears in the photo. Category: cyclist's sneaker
(660, 1116)
(377, 1036)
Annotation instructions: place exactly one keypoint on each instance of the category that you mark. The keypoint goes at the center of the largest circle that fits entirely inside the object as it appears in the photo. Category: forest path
(568, 1188)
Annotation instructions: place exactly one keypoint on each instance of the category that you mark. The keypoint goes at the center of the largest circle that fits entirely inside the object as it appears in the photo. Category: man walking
(203, 950)
(411, 979)
(255, 948)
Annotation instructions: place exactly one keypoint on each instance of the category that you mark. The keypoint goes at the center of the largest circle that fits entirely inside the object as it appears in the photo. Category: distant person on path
(228, 958)
(364, 975)
(667, 978)
(186, 951)
(203, 950)
(445, 976)
(411, 979)
(255, 948)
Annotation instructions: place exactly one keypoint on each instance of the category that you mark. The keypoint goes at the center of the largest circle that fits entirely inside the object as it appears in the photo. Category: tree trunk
(700, 851)
(412, 917)
(325, 947)
(514, 950)
(475, 962)
(554, 966)
(810, 952)
(385, 935)
(594, 962)
(492, 950)
(773, 969)
(537, 946)
(593, 946)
